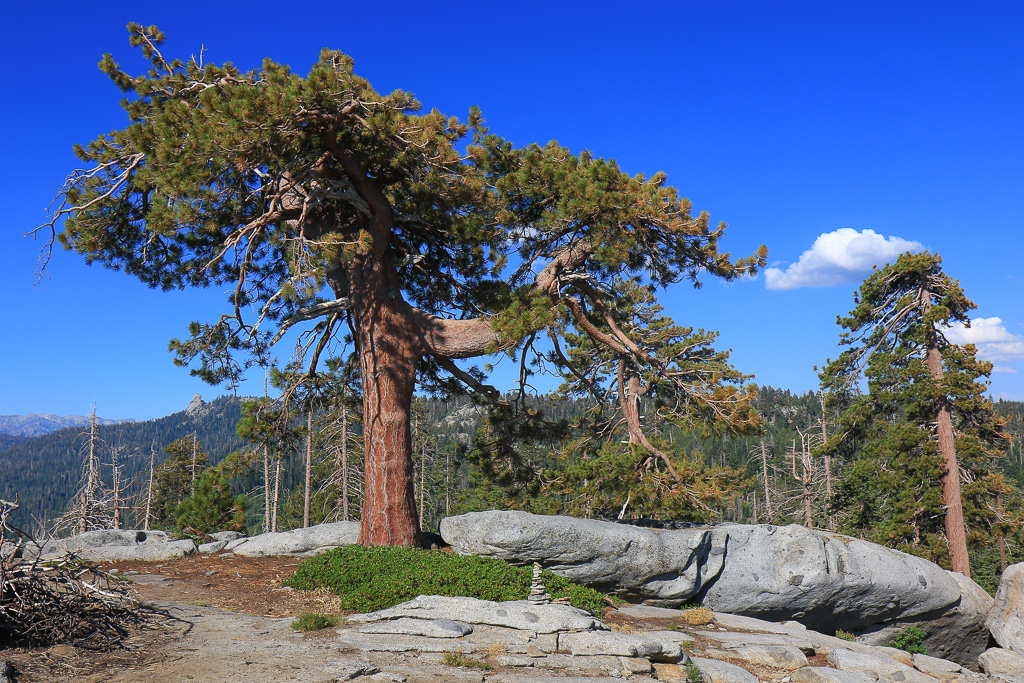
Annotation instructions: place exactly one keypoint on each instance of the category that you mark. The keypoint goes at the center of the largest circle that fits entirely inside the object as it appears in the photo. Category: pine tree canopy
(324, 204)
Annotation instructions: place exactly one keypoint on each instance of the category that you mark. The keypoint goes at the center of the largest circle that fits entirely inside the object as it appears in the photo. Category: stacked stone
(538, 595)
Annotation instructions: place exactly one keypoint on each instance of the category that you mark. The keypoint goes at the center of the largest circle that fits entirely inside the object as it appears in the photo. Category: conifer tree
(924, 419)
(210, 506)
(318, 201)
(174, 479)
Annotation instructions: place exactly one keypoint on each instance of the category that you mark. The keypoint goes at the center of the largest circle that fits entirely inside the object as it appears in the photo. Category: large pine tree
(317, 200)
(924, 424)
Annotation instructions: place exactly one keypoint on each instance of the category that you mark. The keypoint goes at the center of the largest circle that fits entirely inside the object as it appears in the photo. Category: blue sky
(835, 133)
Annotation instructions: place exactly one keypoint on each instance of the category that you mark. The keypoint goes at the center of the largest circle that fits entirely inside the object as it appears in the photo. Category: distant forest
(45, 472)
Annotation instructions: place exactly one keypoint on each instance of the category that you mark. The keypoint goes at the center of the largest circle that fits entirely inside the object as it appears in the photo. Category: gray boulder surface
(1006, 618)
(619, 644)
(116, 544)
(309, 541)
(824, 580)
(517, 614)
(658, 566)
(432, 628)
(958, 633)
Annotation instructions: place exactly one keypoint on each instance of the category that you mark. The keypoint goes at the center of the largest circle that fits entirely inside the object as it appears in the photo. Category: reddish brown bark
(388, 353)
(956, 535)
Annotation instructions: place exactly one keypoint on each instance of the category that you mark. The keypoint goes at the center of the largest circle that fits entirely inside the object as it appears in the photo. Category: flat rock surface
(226, 618)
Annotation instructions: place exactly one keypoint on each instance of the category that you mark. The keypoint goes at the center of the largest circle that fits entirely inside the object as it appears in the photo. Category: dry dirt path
(225, 618)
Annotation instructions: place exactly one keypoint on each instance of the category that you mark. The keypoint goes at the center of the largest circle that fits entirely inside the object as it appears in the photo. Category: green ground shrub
(369, 579)
(314, 621)
(909, 639)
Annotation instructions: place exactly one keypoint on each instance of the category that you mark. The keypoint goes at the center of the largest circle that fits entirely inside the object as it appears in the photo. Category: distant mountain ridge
(37, 425)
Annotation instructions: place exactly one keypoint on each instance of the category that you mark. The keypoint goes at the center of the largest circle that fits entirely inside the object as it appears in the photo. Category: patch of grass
(693, 674)
(314, 621)
(460, 658)
(845, 635)
(369, 579)
(909, 639)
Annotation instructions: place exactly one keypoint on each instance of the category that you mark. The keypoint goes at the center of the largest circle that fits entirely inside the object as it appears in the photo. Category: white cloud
(993, 340)
(1004, 369)
(842, 257)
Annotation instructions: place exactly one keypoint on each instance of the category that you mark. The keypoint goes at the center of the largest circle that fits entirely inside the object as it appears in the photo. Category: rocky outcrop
(658, 567)
(518, 614)
(1006, 618)
(309, 541)
(733, 649)
(958, 633)
(114, 545)
(824, 580)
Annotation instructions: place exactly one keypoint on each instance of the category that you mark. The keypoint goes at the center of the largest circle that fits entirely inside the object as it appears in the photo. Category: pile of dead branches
(65, 600)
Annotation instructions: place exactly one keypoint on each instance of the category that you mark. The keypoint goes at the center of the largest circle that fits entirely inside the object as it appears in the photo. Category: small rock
(778, 656)
(997, 661)
(716, 671)
(847, 660)
(821, 674)
(670, 672)
(6, 672)
(935, 666)
(431, 628)
(619, 644)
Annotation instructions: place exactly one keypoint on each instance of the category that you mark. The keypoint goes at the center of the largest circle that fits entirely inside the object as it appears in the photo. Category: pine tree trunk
(309, 468)
(388, 353)
(266, 488)
(277, 491)
(956, 535)
(344, 462)
(764, 475)
(149, 491)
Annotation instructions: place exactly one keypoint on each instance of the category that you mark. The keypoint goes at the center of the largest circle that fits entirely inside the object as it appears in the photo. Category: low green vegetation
(910, 639)
(314, 621)
(845, 635)
(369, 579)
(693, 674)
(460, 658)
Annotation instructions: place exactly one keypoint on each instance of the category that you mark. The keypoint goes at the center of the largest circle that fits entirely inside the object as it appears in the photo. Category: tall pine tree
(924, 425)
(318, 201)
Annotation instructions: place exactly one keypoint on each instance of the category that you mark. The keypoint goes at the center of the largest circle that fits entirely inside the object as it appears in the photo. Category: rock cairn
(538, 594)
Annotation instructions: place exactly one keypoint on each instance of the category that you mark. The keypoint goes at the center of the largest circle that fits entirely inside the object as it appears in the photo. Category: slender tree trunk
(195, 448)
(344, 462)
(309, 468)
(149, 489)
(764, 475)
(266, 488)
(956, 535)
(831, 519)
(277, 490)
(91, 477)
(116, 477)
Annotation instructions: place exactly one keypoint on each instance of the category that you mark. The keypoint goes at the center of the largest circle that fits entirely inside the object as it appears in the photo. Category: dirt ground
(223, 618)
(201, 603)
